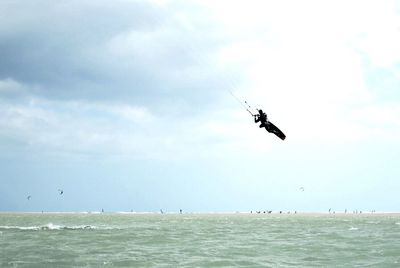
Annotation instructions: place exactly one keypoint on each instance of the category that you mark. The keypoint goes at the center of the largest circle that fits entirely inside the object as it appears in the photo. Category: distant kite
(61, 191)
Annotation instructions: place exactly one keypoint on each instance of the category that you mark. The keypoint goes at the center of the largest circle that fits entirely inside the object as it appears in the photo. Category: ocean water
(198, 240)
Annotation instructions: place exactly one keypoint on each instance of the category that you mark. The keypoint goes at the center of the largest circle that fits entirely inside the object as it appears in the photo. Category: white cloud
(9, 85)
(300, 61)
(303, 63)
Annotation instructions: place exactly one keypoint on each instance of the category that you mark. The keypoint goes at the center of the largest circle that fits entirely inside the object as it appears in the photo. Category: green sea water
(198, 240)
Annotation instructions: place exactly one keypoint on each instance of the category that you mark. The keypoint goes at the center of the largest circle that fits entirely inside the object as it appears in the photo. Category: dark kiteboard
(271, 128)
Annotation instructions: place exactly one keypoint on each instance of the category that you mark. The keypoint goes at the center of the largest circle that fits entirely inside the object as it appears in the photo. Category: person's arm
(256, 118)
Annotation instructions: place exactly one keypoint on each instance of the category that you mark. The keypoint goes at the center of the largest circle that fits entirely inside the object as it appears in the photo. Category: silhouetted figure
(61, 191)
(262, 117)
(180, 211)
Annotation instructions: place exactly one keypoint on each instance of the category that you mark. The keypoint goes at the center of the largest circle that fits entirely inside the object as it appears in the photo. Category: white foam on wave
(353, 228)
(7, 227)
(139, 212)
(50, 226)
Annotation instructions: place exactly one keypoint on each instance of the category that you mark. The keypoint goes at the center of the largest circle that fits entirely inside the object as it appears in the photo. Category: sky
(126, 105)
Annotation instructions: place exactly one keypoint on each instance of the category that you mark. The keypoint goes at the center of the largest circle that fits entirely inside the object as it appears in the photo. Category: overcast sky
(126, 105)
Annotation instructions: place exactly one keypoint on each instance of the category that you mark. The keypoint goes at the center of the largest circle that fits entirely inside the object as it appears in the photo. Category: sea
(199, 240)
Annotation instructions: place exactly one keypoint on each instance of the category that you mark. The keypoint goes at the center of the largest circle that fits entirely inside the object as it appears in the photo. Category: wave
(49, 226)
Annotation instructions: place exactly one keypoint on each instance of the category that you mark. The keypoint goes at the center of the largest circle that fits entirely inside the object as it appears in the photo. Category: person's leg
(267, 127)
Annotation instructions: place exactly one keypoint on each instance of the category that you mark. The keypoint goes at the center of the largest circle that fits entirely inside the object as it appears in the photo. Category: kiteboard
(273, 129)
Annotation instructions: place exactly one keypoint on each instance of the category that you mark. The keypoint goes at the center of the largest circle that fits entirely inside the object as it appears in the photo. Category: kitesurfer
(262, 117)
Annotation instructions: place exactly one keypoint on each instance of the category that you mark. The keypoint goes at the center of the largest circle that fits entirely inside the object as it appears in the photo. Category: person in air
(262, 117)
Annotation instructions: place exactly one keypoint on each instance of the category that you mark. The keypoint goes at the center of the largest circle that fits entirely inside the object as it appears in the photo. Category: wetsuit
(262, 117)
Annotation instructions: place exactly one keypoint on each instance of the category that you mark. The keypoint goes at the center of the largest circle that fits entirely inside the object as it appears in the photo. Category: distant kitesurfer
(262, 117)
(61, 191)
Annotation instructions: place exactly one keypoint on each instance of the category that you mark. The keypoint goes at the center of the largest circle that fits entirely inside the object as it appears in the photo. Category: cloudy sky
(126, 105)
